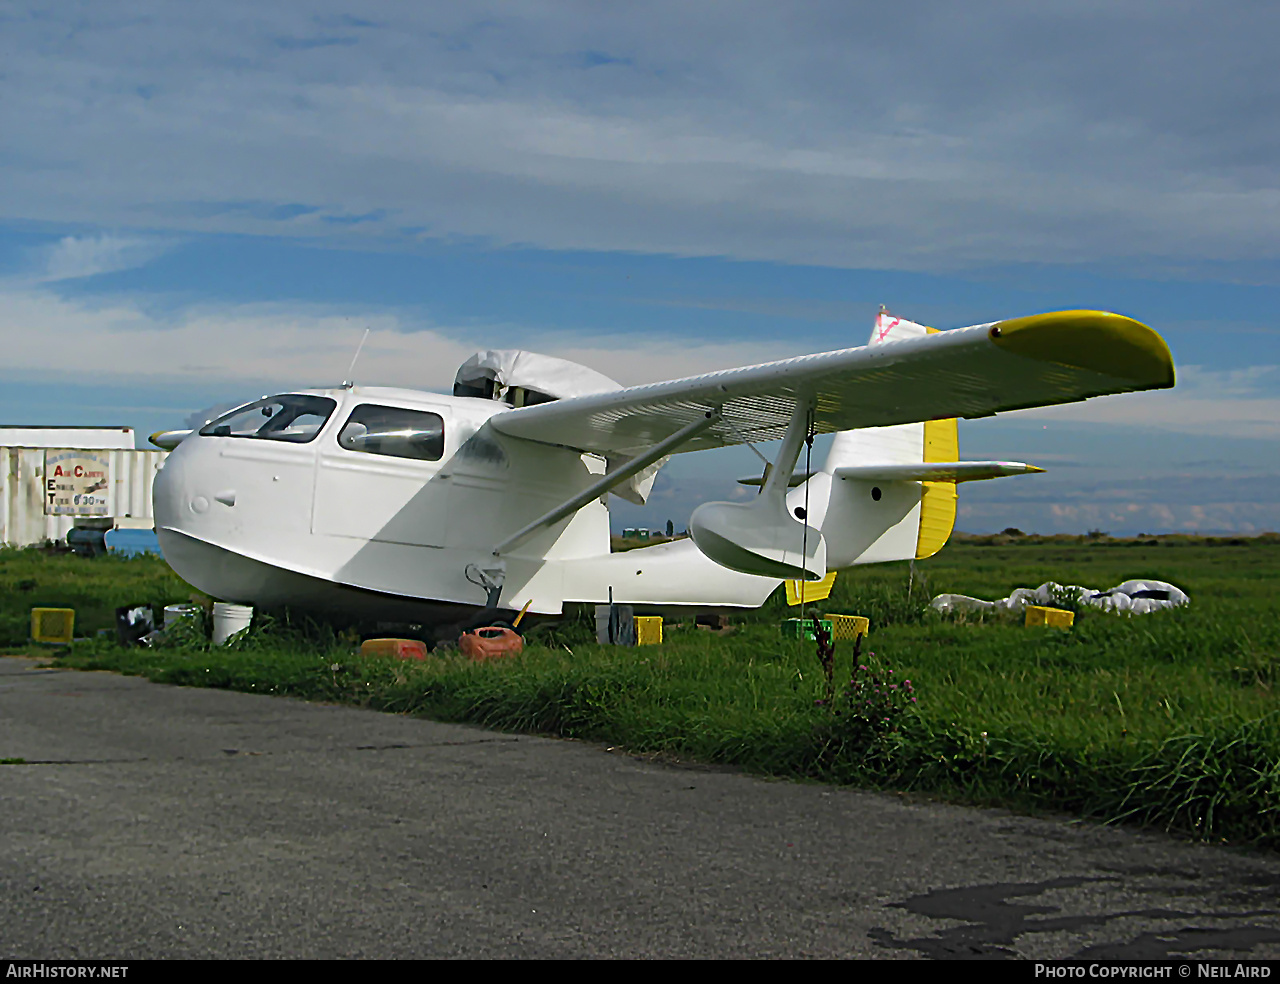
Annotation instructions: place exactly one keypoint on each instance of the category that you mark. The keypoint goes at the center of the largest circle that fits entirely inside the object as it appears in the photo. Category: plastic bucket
(623, 631)
(174, 614)
(228, 620)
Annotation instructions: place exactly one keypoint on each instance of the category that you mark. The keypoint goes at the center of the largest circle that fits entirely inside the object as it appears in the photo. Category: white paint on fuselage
(230, 511)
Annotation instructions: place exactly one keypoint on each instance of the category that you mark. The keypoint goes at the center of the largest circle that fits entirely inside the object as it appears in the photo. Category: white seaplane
(401, 505)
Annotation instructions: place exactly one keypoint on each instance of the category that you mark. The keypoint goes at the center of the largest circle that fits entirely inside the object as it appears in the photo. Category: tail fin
(877, 497)
(872, 521)
(906, 444)
(890, 329)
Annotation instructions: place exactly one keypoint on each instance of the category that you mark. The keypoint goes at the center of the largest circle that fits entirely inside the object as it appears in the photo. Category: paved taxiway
(153, 821)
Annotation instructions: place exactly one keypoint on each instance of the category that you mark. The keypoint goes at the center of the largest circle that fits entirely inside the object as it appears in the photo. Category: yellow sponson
(938, 499)
(1110, 344)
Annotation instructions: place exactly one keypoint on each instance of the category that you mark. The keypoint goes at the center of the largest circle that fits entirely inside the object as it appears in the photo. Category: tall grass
(1166, 720)
(94, 586)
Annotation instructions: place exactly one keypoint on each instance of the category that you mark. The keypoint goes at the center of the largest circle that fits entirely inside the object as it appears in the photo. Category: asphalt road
(151, 821)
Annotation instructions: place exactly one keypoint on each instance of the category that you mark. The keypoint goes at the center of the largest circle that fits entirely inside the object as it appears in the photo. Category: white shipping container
(91, 438)
(24, 518)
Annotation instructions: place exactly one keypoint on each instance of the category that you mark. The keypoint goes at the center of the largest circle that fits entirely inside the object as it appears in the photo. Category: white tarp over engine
(1135, 597)
(526, 378)
(496, 372)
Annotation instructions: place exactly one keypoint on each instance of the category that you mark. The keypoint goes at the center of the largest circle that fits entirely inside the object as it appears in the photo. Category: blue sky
(201, 205)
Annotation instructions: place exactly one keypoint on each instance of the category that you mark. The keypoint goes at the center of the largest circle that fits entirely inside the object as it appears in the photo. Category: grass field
(1165, 720)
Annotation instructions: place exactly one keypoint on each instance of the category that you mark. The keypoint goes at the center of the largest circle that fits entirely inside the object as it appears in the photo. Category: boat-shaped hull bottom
(228, 576)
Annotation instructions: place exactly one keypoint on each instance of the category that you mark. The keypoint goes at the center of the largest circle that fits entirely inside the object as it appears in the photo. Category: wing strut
(763, 537)
(613, 478)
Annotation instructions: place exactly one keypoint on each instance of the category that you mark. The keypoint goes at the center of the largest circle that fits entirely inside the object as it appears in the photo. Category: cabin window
(394, 431)
(294, 418)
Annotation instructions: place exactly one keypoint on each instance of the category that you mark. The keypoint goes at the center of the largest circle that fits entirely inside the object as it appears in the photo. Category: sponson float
(398, 504)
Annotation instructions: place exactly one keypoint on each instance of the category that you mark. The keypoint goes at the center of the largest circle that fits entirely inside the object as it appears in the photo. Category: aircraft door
(251, 487)
(378, 475)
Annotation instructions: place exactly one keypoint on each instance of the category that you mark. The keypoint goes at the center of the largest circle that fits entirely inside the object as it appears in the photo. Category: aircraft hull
(230, 576)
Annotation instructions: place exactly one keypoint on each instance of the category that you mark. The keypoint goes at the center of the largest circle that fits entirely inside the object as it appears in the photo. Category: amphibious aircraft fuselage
(403, 505)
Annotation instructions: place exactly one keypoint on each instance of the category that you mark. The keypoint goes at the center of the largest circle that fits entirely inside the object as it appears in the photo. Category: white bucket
(228, 620)
(174, 614)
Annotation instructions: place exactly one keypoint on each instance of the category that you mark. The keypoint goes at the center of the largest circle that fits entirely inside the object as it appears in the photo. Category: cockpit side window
(394, 431)
(294, 418)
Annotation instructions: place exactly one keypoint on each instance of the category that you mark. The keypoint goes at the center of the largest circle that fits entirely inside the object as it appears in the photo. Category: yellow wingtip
(1110, 344)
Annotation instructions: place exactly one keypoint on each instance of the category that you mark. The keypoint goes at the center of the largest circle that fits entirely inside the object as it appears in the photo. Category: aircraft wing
(1036, 361)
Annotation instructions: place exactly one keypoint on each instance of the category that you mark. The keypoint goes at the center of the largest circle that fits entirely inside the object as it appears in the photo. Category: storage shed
(53, 479)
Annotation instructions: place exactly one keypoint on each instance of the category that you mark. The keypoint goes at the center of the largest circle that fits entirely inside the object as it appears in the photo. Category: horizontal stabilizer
(935, 471)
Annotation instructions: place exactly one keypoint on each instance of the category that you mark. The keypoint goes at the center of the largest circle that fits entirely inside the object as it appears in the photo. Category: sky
(203, 203)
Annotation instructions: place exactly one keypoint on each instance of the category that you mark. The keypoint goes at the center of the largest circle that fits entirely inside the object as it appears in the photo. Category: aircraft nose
(173, 488)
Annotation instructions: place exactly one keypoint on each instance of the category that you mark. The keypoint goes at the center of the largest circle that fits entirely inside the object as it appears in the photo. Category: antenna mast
(350, 380)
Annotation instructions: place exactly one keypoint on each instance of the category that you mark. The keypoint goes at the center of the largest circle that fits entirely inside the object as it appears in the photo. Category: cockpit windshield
(294, 418)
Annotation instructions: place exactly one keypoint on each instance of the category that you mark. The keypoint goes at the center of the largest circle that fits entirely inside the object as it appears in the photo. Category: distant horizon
(1120, 535)
(1134, 536)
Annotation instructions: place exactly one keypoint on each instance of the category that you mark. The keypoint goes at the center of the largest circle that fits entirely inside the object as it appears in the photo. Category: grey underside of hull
(228, 576)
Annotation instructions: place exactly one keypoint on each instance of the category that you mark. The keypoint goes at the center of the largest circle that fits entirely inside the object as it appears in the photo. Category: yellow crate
(55, 625)
(1055, 618)
(812, 590)
(848, 626)
(648, 630)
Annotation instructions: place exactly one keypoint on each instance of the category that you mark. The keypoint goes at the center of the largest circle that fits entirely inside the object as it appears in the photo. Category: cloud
(156, 355)
(73, 257)
(1230, 403)
(301, 345)
(937, 136)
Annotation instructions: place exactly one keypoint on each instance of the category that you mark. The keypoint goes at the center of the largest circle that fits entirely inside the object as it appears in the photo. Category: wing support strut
(607, 482)
(778, 477)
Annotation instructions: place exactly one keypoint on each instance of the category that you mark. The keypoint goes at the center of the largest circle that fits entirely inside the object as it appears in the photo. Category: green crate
(797, 628)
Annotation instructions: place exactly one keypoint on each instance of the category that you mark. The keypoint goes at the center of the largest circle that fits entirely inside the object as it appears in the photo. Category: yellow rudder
(938, 501)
